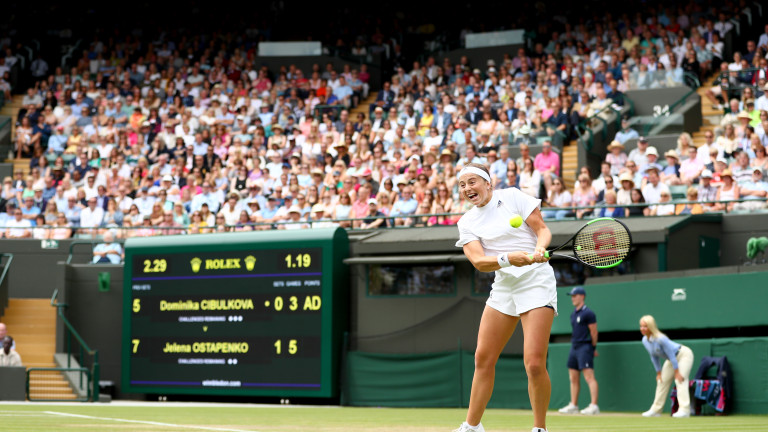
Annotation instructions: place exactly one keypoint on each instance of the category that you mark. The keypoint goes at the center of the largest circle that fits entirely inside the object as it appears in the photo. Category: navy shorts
(581, 357)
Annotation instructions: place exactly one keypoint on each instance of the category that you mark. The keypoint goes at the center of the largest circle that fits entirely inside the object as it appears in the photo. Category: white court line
(145, 422)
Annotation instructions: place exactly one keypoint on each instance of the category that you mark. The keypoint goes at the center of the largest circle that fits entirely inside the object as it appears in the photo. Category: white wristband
(503, 260)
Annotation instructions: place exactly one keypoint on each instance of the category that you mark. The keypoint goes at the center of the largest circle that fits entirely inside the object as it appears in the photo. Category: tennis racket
(601, 243)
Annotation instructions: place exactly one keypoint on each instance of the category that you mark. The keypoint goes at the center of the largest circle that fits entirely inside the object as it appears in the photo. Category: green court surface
(169, 417)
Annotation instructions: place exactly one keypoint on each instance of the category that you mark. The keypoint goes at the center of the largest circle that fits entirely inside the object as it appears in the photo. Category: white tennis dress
(515, 290)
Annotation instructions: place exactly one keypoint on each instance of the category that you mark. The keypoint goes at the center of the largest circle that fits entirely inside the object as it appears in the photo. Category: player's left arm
(543, 235)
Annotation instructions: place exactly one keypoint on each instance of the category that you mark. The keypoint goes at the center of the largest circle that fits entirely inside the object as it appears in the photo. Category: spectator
(373, 218)
(557, 197)
(753, 191)
(664, 207)
(670, 174)
(8, 355)
(624, 195)
(584, 196)
(637, 209)
(610, 208)
(626, 133)
(405, 205)
(61, 228)
(107, 252)
(547, 163)
(530, 179)
(691, 168)
(91, 216)
(729, 191)
(40, 230)
(616, 156)
(653, 188)
(691, 207)
(604, 181)
(637, 155)
(18, 227)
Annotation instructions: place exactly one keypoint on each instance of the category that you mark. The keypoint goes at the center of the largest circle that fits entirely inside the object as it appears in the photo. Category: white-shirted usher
(490, 225)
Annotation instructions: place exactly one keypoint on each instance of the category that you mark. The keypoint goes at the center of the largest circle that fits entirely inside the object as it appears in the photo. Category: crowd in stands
(182, 138)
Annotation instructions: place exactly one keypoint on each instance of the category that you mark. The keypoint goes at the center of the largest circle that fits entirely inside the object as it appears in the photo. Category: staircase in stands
(710, 115)
(362, 107)
(11, 109)
(570, 162)
(32, 323)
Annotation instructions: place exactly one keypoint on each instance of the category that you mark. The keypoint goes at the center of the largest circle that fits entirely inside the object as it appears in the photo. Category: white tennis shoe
(592, 409)
(465, 427)
(651, 413)
(536, 429)
(569, 409)
(681, 414)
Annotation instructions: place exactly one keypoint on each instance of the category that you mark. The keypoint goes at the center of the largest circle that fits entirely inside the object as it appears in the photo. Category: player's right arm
(476, 255)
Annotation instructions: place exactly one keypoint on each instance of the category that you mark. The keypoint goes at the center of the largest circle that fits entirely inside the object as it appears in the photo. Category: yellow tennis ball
(515, 221)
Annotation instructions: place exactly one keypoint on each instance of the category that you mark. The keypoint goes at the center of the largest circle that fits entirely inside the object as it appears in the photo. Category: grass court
(192, 417)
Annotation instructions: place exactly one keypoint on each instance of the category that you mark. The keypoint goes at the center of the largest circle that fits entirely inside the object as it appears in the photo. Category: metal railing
(3, 285)
(420, 218)
(738, 81)
(77, 357)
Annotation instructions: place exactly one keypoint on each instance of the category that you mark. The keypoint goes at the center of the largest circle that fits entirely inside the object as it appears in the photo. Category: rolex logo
(195, 262)
(250, 261)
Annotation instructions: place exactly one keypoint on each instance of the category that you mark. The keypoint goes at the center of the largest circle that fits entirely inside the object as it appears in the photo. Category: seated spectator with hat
(728, 191)
(373, 218)
(616, 156)
(670, 174)
(624, 195)
(294, 219)
(651, 160)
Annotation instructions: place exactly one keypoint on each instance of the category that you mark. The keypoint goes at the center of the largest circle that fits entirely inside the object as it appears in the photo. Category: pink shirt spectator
(690, 168)
(546, 162)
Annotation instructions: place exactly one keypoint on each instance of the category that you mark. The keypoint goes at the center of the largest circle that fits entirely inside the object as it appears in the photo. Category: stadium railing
(91, 236)
(738, 81)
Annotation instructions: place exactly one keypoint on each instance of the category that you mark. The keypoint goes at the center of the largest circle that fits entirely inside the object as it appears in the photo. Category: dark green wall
(627, 379)
(96, 315)
(623, 370)
(711, 301)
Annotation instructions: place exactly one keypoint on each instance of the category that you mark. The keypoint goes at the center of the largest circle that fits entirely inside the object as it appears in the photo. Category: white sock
(472, 427)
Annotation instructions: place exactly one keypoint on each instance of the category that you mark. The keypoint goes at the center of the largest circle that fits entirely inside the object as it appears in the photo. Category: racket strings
(602, 243)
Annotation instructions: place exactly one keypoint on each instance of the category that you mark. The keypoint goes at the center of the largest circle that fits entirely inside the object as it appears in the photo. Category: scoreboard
(252, 314)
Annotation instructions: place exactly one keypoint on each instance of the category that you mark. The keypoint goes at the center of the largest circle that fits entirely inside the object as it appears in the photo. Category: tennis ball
(515, 221)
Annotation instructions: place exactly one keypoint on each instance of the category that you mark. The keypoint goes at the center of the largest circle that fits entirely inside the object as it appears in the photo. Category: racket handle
(546, 255)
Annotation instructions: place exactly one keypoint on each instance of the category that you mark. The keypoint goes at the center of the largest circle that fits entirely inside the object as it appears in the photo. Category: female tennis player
(523, 291)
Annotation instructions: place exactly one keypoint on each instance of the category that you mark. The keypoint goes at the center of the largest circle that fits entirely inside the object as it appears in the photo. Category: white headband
(474, 170)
